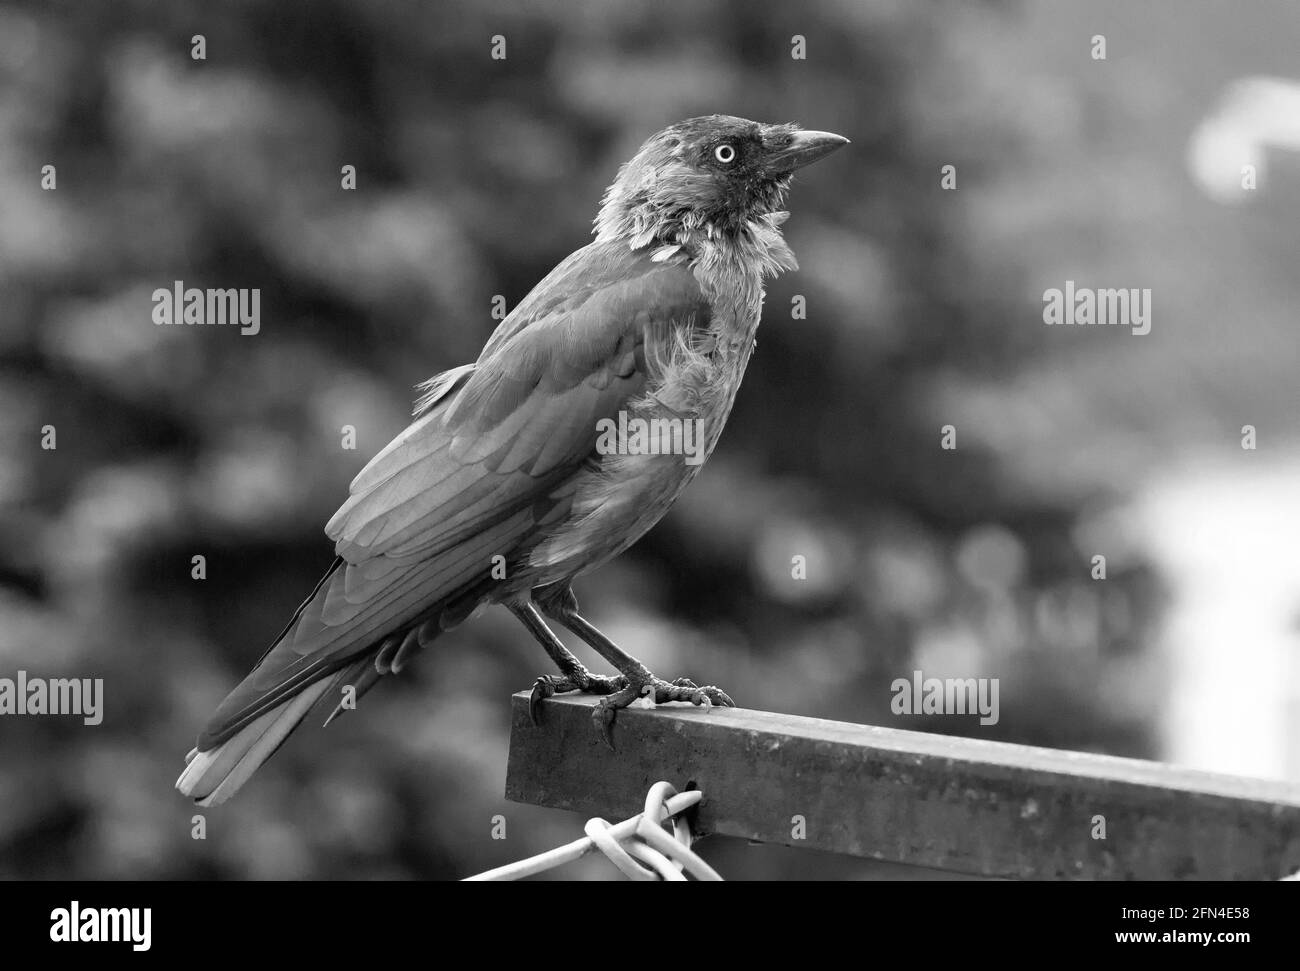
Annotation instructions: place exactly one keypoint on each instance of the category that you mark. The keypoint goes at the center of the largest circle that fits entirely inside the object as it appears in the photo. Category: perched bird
(505, 487)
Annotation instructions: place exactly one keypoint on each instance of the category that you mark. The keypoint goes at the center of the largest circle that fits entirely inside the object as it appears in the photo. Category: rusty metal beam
(960, 804)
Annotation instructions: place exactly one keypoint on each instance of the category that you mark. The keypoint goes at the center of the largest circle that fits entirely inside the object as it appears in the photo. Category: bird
(513, 478)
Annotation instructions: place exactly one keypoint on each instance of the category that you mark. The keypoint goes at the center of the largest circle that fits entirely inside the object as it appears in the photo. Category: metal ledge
(987, 808)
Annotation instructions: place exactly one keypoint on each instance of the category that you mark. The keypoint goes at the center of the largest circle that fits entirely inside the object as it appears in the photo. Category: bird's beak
(805, 148)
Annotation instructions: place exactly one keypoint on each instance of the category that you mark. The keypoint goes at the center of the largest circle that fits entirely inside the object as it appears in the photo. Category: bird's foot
(646, 685)
(580, 680)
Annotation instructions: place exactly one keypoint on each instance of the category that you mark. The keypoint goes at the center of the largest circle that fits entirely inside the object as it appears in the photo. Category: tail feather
(362, 676)
(214, 776)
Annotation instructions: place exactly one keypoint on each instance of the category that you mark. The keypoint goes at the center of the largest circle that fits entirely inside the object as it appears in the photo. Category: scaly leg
(573, 675)
(637, 680)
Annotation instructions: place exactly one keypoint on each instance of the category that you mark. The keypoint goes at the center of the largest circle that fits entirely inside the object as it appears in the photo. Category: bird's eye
(725, 154)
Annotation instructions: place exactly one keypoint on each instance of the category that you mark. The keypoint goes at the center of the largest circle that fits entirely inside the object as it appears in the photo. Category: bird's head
(712, 174)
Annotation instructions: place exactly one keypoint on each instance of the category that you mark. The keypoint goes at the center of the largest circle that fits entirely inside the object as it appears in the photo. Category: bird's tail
(226, 757)
(213, 776)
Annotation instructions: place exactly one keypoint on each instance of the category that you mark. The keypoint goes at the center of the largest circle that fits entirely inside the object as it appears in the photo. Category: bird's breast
(659, 441)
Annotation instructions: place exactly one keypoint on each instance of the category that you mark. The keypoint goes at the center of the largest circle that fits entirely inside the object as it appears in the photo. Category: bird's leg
(562, 606)
(573, 675)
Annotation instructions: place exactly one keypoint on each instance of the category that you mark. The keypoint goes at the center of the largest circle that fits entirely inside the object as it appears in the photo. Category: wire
(640, 847)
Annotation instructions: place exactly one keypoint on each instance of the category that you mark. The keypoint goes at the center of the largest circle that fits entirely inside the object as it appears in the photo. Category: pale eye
(725, 154)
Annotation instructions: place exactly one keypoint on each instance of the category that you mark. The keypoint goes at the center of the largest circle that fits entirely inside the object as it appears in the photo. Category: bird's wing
(474, 475)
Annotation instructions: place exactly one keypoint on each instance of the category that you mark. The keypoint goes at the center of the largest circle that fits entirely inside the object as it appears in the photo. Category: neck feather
(756, 243)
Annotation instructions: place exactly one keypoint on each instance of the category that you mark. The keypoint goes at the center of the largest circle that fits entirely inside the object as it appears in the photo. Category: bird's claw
(543, 688)
(550, 684)
(682, 689)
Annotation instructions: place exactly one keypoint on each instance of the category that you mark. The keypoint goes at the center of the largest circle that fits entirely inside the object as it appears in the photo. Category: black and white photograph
(853, 442)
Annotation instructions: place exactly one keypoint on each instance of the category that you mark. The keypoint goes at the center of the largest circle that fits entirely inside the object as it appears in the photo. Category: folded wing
(480, 472)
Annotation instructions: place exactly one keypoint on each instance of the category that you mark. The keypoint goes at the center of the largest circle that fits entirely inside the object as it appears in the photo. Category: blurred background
(474, 177)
